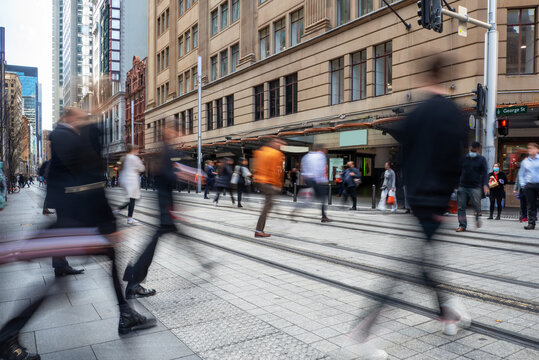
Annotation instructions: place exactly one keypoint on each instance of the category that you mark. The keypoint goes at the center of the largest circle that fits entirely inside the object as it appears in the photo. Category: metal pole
(132, 122)
(199, 151)
(373, 196)
(295, 192)
(492, 82)
(330, 200)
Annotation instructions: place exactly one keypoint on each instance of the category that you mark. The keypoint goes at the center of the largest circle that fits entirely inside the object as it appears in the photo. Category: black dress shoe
(12, 350)
(325, 219)
(490, 217)
(498, 217)
(67, 271)
(529, 227)
(130, 320)
(138, 291)
(352, 208)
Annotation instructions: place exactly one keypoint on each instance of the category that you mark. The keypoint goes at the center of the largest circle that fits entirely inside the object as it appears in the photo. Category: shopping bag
(391, 197)
(235, 178)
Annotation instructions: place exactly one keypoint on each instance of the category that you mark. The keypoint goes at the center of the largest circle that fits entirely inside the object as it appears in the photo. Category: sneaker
(461, 229)
(130, 320)
(12, 350)
(131, 221)
(524, 219)
(261, 234)
(498, 217)
(325, 219)
(490, 217)
(461, 317)
(367, 351)
(352, 208)
(115, 211)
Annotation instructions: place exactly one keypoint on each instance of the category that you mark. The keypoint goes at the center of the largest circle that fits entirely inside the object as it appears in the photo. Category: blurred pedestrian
(243, 175)
(211, 174)
(351, 180)
(224, 175)
(132, 166)
(434, 134)
(3, 187)
(268, 174)
(43, 176)
(473, 185)
(313, 170)
(293, 179)
(497, 180)
(529, 180)
(339, 181)
(521, 195)
(388, 195)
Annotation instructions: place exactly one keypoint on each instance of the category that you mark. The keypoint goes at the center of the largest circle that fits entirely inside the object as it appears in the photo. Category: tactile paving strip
(223, 332)
(169, 284)
(275, 346)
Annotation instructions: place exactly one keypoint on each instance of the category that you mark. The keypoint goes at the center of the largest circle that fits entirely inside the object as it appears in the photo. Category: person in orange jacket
(268, 173)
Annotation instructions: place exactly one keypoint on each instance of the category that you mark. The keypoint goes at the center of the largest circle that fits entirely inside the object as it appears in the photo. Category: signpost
(512, 110)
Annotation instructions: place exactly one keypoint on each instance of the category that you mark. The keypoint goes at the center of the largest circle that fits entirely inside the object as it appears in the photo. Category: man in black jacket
(473, 183)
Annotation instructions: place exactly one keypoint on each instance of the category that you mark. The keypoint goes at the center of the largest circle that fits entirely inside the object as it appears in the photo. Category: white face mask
(472, 154)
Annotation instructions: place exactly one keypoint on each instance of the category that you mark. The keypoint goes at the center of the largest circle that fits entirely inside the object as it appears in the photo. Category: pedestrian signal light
(503, 127)
(479, 100)
(424, 13)
(436, 18)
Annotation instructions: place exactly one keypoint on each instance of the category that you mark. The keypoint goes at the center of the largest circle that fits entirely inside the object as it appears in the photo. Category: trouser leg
(462, 200)
(240, 193)
(231, 194)
(523, 204)
(475, 198)
(266, 209)
(353, 194)
(115, 278)
(140, 269)
(531, 198)
(499, 203)
(218, 193)
(13, 327)
(492, 202)
(124, 205)
(131, 207)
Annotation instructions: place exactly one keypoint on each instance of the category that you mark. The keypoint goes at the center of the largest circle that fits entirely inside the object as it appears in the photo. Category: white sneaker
(367, 351)
(132, 221)
(115, 211)
(464, 319)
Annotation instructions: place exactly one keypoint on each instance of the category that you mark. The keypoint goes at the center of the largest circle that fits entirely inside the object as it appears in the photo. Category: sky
(28, 26)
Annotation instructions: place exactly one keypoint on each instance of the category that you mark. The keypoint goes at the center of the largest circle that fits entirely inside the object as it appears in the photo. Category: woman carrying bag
(241, 178)
(496, 182)
(388, 190)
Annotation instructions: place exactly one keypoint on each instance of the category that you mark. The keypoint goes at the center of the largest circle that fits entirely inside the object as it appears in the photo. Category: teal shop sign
(353, 138)
(512, 110)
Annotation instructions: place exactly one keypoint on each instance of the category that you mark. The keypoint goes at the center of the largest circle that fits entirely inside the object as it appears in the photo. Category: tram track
(509, 301)
(477, 327)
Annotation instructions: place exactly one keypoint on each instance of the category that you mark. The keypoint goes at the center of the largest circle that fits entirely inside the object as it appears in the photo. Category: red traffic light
(503, 127)
(503, 122)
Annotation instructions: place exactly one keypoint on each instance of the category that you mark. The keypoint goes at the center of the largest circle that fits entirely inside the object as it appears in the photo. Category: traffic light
(503, 127)
(479, 100)
(424, 13)
(436, 18)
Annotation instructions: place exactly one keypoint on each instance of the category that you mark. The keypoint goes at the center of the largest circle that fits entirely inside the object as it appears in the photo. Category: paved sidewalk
(79, 320)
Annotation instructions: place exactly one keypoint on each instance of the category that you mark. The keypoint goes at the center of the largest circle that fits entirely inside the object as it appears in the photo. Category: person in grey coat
(388, 188)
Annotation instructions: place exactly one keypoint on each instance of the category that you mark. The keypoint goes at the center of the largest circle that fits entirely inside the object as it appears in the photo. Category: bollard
(295, 192)
(373, 196)
(188, 187)
(330, 200)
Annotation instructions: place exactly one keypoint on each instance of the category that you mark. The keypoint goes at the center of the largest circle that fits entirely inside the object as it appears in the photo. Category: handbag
(492, 182)
(390, 198)
(235, 178)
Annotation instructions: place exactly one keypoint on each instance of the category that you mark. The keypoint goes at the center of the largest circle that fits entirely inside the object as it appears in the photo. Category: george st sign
(512, 110)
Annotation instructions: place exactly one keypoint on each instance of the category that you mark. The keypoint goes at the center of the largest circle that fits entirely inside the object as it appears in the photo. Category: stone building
(336, 72)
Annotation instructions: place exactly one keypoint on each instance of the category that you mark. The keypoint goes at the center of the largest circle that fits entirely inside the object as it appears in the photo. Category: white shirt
(313, 166)
(529, 171)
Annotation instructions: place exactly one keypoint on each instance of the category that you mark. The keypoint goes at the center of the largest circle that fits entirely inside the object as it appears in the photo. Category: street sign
(463, 25)
(512, 110)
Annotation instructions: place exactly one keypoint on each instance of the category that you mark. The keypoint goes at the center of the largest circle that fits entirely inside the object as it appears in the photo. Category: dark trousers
(532, 192)
(496, 198)
(319, 193)
(523, 204)
(463, 195)
(209, 186)
(269, 192)
(130, 205)
(222, 189)
(352, 192)
(241, 189)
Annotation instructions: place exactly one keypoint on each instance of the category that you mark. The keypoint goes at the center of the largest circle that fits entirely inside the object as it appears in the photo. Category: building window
(168, 17)
(159, 96)
(177, 122)
(337, 81)
(155, 131)
(382, 68)
(167, 53)
(296, 27)
(188, 4)
(213, 74)
(235, 10)
(194, 74)
(166, 90)
(520, 41)
(195, 36)
(187, 42)
(190, 121)
(214, 22)
(181, 7)
(274, 98)
(187, 80)
(209, 116)
(264, 43)
(359, 75)
(279, 35)
(235, 51)
(343, 11)
(159, 25)
(364, 7)
(159, 62)
(224, 15)
(180, 46)
(219, 113)
(230, 110)
(291, 93)
(259, 102)
(180, 85)
(224, 63)
(184, 122)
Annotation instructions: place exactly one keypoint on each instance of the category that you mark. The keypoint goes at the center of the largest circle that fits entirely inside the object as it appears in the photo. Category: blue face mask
(472, 154)
(496, 169)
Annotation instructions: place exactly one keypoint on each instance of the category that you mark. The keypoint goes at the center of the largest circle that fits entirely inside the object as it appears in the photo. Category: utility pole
(199, 149)
(492, 84)
(132, 122)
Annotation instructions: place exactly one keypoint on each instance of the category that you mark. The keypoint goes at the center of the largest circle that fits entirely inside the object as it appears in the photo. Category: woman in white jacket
(130, 181)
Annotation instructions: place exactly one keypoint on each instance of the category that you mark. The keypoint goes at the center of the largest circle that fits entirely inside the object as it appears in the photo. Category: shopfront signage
(353, 138)
(512, 110)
